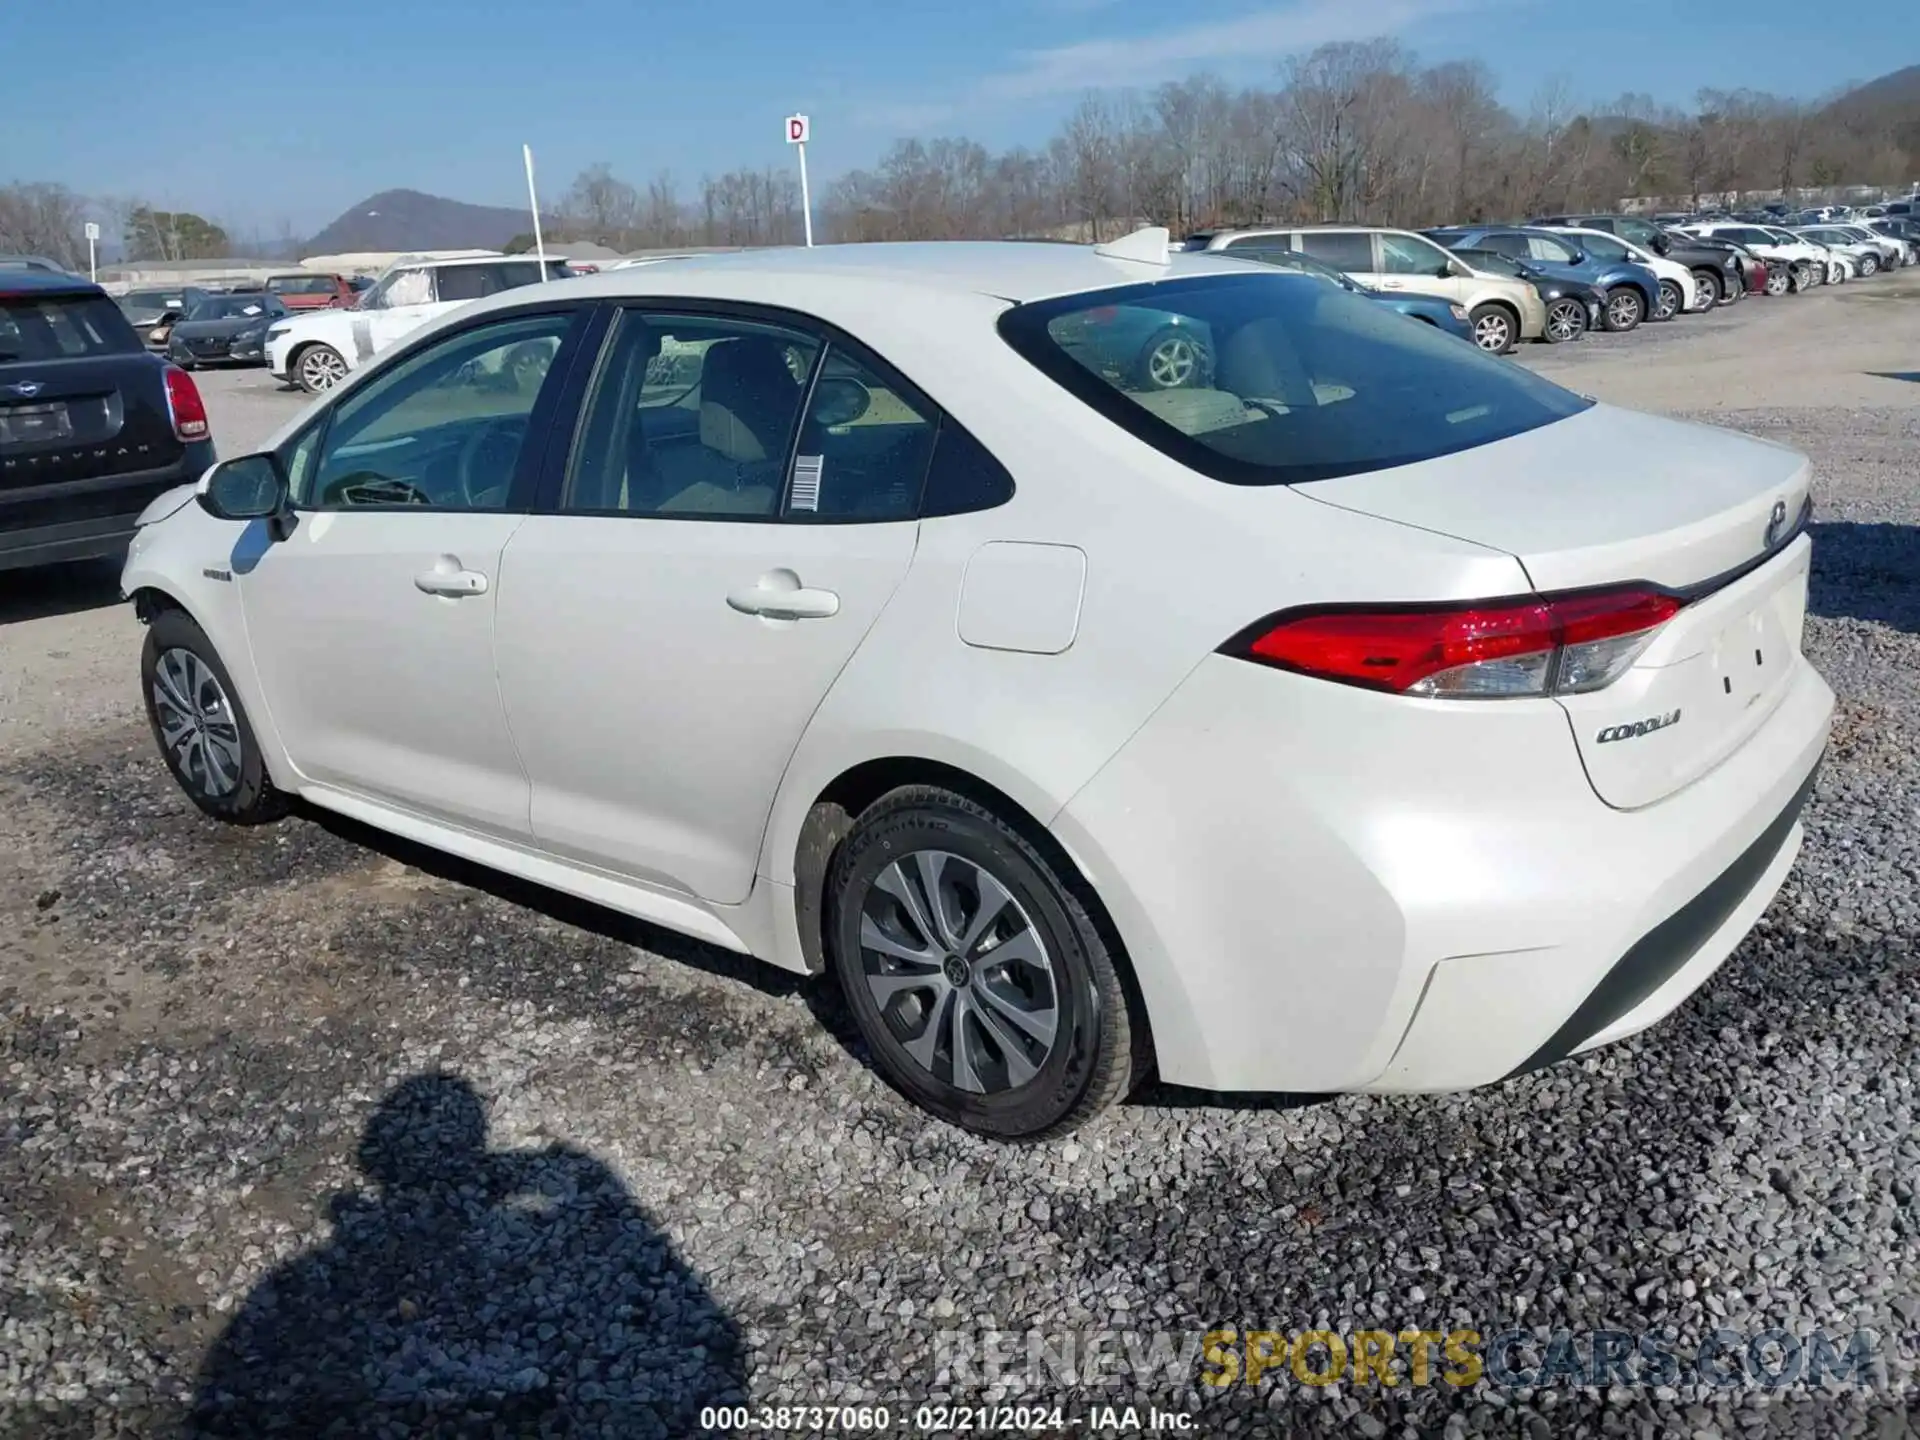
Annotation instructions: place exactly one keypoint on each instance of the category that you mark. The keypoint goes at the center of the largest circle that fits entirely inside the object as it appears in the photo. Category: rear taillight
(184, 406)
(1549, 645)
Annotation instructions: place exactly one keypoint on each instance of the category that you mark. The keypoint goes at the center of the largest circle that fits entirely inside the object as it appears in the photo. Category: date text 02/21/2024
(943, 1419)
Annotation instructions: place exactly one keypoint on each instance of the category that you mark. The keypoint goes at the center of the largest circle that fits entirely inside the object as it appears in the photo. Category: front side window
(1343, 249)
(692, 416)
(401, 287)
(443, 428)
(1540, 247)
(1404, 255)
(1301, 381)
(1605, 247)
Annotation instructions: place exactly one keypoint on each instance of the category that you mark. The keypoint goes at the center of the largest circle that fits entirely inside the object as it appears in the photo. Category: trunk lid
(82, 418)
(1610, 497)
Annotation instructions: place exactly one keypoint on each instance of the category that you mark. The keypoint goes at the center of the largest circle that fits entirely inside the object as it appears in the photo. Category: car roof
(46, 282)
(1003, 269)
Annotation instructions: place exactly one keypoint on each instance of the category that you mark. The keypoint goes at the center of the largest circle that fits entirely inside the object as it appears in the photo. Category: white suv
(317, 351)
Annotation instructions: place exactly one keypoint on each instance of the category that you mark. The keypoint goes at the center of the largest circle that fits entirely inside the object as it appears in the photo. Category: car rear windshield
(301, 285)
(56, 327)
(1276, 379)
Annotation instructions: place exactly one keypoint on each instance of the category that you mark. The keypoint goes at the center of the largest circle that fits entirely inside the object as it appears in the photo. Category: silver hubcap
(1491, 332)
(1563, 321)
(1172, 363)
(1778, 281)
(1669, 301)
(960, 974)
(1623, 310)
(322, 369)
(197, 723)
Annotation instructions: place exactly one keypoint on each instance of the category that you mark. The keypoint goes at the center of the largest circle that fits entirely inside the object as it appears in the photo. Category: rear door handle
(779, 604)
(448, 578)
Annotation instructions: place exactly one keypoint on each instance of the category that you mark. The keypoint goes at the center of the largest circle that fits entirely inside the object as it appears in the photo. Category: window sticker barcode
(806, 482)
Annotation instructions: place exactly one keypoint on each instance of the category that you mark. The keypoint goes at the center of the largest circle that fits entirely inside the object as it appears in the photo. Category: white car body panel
(1317, 887)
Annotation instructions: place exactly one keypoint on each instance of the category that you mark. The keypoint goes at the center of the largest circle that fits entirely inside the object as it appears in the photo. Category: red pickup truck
(310, 291)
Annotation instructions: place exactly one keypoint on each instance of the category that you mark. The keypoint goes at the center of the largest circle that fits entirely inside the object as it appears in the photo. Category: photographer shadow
(473, 1292)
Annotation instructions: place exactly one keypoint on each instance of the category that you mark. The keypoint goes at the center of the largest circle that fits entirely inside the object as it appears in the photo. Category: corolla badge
(25, 389)
(1637, 728)
(1776, 522)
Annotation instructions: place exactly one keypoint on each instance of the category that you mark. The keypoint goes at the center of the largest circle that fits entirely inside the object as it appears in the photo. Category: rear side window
(1343, 250)
(55, 327)
(1288, 380)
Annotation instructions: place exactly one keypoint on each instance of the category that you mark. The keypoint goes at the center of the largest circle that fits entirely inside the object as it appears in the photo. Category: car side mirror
(1661, 245)
(1456, 270)
(1579, 258)
(252, 487)
(839, 400)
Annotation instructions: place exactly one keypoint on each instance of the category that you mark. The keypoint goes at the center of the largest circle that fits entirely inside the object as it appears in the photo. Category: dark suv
(92, 427)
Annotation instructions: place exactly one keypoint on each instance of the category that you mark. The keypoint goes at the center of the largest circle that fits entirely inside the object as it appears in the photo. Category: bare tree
(38, 218)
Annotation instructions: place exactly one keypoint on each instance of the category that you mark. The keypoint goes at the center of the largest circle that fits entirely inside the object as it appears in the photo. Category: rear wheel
(1626, 308)
(1671, 301)
(319, 368)
(1494, 329)
(200, 726)
(1172, 360)
(1708, 286)
(978, 979)
(1566, 320)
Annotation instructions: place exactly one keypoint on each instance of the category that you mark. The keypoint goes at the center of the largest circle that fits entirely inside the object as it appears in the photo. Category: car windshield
(1494, 262)
(1266, 379)
(55, 327)
(1283, 258)
(229, 307)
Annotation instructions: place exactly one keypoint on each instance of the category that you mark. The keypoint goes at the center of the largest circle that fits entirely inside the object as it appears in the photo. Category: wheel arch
(831, 817)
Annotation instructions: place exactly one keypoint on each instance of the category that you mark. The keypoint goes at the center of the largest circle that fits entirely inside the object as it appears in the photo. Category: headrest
(747, 397)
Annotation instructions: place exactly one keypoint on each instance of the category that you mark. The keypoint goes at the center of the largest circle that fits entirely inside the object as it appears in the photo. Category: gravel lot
(302, 1127)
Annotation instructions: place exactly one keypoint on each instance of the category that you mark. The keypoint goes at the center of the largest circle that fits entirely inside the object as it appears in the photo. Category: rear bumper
(89, 519)
(1324, 889)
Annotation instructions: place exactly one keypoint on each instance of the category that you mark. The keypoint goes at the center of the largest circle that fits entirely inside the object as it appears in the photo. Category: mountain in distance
(402, 220)
(1899, 91)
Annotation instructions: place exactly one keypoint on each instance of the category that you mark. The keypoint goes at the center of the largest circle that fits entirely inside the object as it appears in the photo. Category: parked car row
(1558, 276)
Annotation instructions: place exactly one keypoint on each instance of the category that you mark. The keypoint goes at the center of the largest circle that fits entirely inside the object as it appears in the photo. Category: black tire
(1708, 285)
(317, 368)
(1672, 301)
(1869, 266)
(1733, 294)
(1626, 308)
(1172, 359)
(1566, 320)
(1495, 329)
(1093, 1055)
(251, 798)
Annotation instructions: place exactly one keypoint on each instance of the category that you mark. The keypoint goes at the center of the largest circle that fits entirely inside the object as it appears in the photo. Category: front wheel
(1672, 300)
(1493, 328)
(1869, 266)
(977, 978)
(1779, 281)
(200, 726)
(319, 368)
(1566, 320)
(1625, 310)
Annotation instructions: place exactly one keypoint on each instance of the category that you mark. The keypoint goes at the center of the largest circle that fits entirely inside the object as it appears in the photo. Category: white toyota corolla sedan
(1350, 710)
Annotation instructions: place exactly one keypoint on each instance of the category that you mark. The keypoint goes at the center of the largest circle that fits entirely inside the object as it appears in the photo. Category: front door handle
(449, 578)
(780, 596)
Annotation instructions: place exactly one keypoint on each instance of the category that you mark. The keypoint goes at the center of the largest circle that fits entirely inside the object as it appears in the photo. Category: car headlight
(274, 332)
(1459, 312)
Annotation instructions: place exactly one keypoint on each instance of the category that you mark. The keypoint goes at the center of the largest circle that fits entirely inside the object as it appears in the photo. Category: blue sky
(269, 117)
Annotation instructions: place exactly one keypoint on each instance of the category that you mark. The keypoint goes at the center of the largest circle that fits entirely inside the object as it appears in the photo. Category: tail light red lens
(184, 405)
(1551, 644)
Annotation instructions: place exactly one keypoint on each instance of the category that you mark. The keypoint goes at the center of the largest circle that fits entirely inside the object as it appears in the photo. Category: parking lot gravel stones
(305, 1132)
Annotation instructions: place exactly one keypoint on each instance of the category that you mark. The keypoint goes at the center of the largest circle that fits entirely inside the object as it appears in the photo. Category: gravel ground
(305, 1131)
